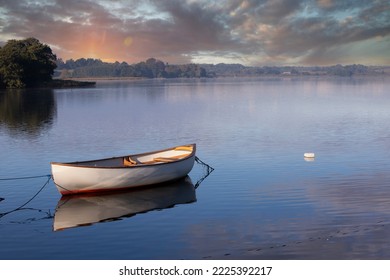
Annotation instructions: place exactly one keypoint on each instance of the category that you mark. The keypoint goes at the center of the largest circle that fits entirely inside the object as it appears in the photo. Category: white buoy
(309, 155)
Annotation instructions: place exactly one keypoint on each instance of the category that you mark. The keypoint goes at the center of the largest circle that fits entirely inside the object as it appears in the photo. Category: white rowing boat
(124, 172)
(87, 209)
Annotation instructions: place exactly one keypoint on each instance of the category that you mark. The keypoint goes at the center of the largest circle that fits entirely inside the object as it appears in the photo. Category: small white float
(309, 155)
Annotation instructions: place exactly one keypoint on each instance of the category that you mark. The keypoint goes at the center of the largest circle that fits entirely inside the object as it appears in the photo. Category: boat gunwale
(76, 163)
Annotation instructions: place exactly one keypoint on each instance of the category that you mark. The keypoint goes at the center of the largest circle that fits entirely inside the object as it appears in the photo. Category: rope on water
(28, 201)
(22, 178)
(209, 169)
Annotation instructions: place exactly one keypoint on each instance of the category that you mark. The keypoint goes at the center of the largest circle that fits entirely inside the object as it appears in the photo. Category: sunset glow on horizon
(296, 32)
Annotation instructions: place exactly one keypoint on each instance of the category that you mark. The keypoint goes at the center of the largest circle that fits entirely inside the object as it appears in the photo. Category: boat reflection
(87, 209)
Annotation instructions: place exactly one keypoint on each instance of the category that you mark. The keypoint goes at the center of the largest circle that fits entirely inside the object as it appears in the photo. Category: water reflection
(264, 202)
(82, 210)
(27, 112)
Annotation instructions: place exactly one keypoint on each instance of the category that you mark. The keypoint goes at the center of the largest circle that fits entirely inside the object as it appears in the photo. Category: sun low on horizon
(253, 33)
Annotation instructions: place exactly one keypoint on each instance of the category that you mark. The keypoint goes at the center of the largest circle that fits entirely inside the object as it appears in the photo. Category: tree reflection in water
(27, 112)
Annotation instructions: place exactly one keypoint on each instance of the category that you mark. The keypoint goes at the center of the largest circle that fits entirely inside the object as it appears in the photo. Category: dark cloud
(310, 28)
(255, 32)
(272, 12)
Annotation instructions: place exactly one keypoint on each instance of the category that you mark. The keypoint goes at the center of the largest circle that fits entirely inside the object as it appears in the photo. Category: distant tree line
(151, 68)
(154, 68)
(238, 70)
(29, 63)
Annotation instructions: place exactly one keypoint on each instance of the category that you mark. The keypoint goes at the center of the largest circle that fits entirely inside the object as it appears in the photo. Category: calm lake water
(262, 201)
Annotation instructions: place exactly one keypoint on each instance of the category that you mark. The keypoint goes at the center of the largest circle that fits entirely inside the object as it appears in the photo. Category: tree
(157, 67)
(26, 63)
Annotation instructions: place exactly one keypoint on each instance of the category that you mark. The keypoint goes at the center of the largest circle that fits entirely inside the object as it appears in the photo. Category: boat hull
(79, 178)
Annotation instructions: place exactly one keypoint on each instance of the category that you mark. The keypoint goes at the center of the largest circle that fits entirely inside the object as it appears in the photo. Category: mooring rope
(28, 201)
(69, 191)
(22, 178)
(208, 171)
(209, 168)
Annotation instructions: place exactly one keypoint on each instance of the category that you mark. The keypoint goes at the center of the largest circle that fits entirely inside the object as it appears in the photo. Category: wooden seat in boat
(128, 161)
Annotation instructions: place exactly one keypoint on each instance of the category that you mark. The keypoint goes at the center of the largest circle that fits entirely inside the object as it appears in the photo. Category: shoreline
(88, 79)
(284, 77)
(60, 83)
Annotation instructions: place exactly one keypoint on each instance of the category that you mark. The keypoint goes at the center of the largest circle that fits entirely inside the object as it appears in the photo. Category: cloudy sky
(250, 32)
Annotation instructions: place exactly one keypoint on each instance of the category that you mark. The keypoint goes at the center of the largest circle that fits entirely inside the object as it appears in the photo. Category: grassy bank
(58, 83)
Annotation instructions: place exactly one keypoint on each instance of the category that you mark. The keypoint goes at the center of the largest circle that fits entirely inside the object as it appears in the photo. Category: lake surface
(262, 201)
